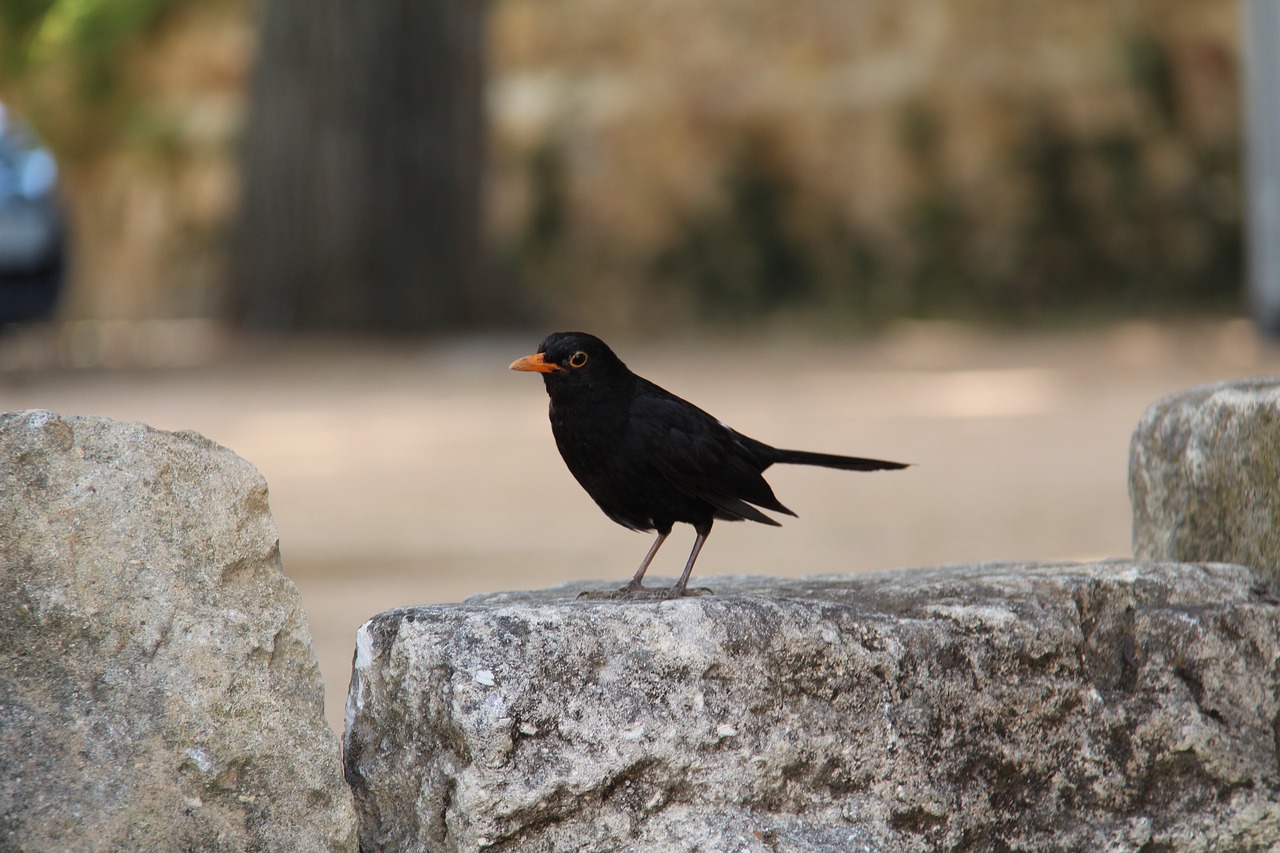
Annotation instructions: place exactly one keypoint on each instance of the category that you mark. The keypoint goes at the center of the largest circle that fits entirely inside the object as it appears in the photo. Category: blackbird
(649, 458)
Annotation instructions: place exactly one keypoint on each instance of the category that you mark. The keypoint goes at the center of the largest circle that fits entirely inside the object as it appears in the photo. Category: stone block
(1204, 476)
(1115, 705)
(158, 690)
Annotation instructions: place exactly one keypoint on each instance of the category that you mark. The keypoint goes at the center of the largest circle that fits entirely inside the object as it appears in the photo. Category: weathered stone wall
(647, 121)
(881, 158)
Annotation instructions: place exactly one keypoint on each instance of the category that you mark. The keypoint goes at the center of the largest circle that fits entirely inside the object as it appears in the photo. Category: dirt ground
(417, 474)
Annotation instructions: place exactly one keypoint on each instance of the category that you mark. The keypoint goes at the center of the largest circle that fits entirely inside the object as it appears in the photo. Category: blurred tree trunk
(364, 155)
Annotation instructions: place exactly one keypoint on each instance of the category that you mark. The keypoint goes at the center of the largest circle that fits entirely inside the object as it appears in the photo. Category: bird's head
(570, 360)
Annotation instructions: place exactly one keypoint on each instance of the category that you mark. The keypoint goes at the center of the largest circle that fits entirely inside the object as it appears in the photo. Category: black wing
(702, 457)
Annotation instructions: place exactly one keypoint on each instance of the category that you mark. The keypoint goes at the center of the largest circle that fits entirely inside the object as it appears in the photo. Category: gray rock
(1070, 707)
(158, 690)
(1204, 476)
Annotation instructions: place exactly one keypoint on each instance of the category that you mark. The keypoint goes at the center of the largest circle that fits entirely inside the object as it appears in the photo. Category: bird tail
(830, 460)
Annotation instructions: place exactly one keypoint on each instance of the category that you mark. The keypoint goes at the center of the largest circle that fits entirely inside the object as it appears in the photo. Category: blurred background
(977, 235)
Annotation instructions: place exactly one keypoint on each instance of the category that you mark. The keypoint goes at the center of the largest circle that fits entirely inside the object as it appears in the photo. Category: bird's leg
(679, 588)
(635, 588)
(638, 578)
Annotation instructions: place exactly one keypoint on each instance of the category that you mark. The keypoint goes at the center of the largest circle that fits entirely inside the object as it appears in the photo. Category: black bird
(649, 458)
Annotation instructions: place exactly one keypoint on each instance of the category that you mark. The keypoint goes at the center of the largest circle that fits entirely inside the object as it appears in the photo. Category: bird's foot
(636, 592)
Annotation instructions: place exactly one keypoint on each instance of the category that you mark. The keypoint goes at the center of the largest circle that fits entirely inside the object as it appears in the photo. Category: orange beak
(534, 363)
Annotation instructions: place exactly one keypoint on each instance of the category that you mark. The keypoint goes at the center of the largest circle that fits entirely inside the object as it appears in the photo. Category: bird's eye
(578, 359)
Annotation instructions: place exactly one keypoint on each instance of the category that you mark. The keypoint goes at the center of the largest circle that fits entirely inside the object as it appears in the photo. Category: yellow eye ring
(578, 359)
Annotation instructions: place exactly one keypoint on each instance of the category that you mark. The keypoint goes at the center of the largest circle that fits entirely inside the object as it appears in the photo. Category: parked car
(33, 238)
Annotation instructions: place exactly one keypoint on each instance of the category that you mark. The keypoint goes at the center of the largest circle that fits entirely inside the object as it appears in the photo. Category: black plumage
(650, 459)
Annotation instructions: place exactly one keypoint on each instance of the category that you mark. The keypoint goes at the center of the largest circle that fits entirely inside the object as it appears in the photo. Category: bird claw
(642, 593)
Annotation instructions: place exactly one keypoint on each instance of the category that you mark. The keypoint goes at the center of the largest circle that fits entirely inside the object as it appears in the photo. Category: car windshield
(27, 170)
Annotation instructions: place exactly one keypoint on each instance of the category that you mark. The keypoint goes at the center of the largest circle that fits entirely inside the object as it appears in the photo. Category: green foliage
(1107, 230)
(83, 45)
(1152, 73)
(937, 225)
(92, 33)
(549, 211)
(748, 255)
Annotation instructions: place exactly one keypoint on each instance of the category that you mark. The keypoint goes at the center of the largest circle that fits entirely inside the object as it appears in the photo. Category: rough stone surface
(1116, 705)
(157, 685)
(1204, 476)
